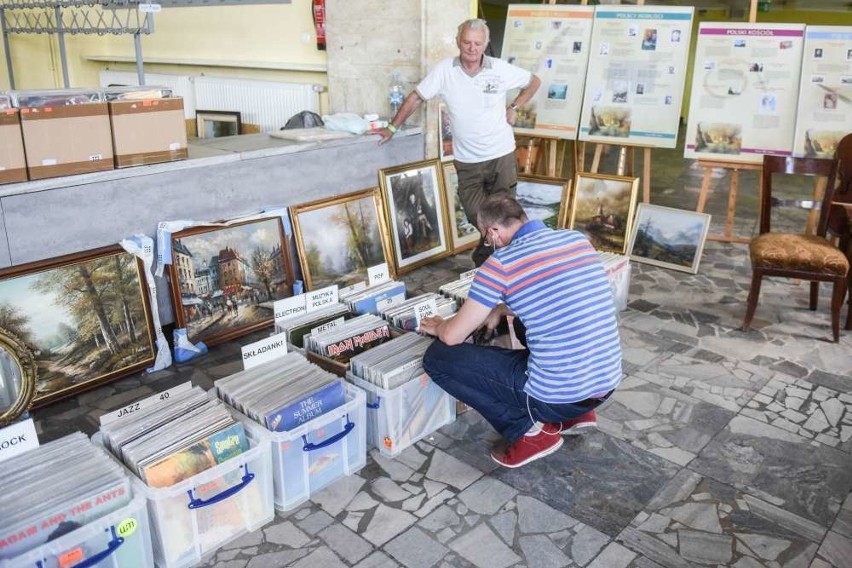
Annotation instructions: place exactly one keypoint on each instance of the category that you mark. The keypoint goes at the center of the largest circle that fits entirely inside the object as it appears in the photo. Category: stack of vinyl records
(55, 489)
(457, 289)
(370, 300)
(350, 338)
(135, 93)
(177, 438)
(393, 363)
(403, 316)
(298, 327)
(283, 394)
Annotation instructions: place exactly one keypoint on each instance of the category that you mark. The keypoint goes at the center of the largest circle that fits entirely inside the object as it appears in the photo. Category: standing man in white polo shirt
(474, 87)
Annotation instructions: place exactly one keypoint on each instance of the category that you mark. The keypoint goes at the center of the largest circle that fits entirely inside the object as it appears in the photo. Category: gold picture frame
(358, 221)
(547, 199)
(602, 208)
(464, 234)
(17, 377)
(416, 213)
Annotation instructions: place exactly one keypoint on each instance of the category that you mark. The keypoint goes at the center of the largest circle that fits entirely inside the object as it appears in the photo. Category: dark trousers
(491, 381)
(479, 181)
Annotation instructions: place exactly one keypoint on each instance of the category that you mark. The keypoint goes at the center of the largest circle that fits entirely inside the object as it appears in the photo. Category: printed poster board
(825, 96)
(553, 43)
(636, 74)
(744, 91)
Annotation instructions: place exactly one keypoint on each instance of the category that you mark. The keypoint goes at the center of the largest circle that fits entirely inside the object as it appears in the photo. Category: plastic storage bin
(210, 509)
(399, 417)
(321, 451)
(121, 539)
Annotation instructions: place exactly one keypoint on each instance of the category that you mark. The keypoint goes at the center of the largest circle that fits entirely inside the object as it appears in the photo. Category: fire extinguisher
(319, 22)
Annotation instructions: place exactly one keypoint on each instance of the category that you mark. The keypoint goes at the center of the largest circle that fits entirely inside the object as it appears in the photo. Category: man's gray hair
(500, 209)
(474, 24)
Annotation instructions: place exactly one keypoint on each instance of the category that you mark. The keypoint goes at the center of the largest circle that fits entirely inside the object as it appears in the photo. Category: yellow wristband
(392, 128)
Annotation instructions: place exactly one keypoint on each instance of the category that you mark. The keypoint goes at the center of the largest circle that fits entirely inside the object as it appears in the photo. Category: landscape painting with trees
(225, 279)
(85, 317)
(339, 239)
(602, 209)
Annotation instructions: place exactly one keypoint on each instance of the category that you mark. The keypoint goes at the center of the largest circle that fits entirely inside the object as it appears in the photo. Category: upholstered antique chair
(840, 218)
(797, 255)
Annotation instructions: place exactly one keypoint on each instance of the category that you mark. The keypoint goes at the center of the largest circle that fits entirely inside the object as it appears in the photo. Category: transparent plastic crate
(318, 453)
(210, 509)
(397, 418)
(121, 539)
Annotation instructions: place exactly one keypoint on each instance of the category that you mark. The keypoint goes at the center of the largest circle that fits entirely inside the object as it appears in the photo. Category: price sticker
(468, 274)
(70, 558)
(126, 527)
(150, 8)
(378, 274)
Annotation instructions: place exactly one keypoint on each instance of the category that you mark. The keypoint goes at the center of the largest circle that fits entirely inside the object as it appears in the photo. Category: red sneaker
(530, 448)
(575, 425)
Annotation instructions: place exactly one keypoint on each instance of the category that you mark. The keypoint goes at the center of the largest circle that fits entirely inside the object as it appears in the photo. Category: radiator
(180, 85)
(269, 104)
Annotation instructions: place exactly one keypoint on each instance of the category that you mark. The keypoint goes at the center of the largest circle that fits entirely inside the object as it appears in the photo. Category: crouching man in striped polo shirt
(555, 284)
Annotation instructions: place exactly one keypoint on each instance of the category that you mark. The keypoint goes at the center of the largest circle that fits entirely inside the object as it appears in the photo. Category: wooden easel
(733, 187)
(626, 154)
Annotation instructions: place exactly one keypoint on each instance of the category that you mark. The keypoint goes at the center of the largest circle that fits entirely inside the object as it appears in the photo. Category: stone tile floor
(720, 448)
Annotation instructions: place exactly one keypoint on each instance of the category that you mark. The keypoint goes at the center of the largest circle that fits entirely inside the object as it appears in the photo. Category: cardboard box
(66, 140)
(13, 163)
(147, 131)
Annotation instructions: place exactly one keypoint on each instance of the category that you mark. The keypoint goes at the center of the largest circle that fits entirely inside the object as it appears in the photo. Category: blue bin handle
(375, 405)
(309, 447)
(112, 546)
(194, 503)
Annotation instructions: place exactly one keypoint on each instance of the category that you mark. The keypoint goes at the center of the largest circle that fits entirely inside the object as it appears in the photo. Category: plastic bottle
(396, 94)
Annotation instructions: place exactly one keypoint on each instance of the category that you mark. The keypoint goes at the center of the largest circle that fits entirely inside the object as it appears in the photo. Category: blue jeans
(491, 380)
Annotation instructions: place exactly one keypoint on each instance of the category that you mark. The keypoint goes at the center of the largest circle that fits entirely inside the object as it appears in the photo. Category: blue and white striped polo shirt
(554, 282)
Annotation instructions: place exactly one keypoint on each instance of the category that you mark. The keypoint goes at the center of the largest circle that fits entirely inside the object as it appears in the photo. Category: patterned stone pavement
(720, 448)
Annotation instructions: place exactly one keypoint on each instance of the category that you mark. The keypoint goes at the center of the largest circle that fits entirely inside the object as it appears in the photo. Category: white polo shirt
(477, 105)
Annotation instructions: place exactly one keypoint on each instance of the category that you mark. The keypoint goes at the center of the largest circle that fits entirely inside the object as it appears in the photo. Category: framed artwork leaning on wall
(602, 208)
(86, 317)
(225, 278)
(463, 234)
(339, 238)
(416, 212)
(545, 198)
(668, 237)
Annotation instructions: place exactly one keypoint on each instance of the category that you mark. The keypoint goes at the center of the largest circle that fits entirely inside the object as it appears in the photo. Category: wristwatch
(514, 107)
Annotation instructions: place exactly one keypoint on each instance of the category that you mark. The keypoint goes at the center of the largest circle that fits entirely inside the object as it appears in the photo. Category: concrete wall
(370, 40)
(49, 218)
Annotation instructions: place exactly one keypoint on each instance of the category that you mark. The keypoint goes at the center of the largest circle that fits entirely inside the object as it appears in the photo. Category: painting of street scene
(339, 239)
(225, 279)
(667, 237)
(603, 208)
(86, 319)
(415, 200)
(545, 199)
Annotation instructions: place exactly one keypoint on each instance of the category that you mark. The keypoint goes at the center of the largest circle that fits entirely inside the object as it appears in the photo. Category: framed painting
(602, 208)
(668, 237)
(545, 198)
(225, 278)
(445, 134)
(217, 123)
(463, 234)
(338, 239)
(416, 213)
(86, 318)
